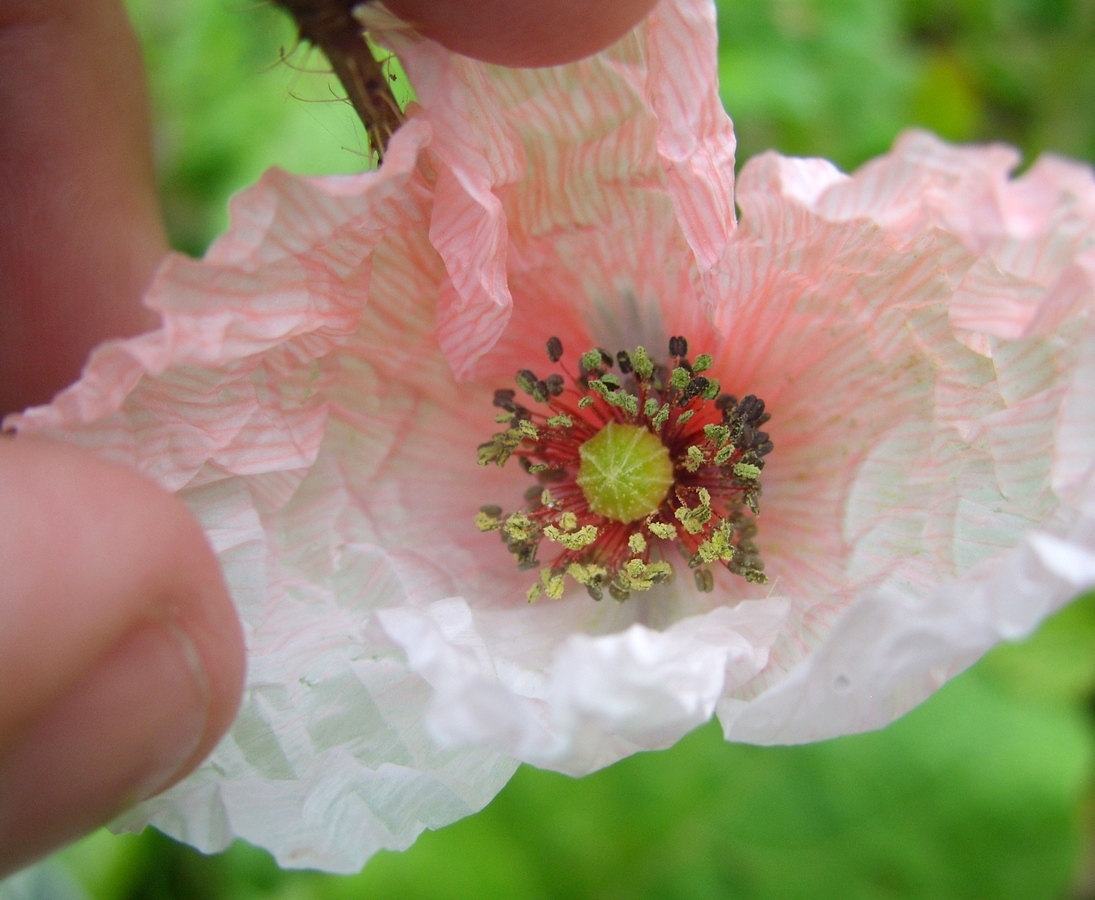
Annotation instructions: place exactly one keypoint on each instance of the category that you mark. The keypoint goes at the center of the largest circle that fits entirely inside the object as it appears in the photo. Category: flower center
(625, 472)
(632, 470)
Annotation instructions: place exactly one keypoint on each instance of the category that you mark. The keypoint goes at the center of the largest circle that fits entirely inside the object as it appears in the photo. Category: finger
(78, 209)
(523, 32)
(117, 628)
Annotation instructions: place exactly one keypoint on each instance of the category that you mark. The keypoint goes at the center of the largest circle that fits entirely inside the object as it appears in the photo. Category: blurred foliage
(840, 78)
(985, 791)
(233, 93)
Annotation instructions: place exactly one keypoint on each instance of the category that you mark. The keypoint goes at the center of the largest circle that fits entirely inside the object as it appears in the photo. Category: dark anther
(540, 391)
(554, 349)
(725, 402)
(524, 462)
(678, 346)
(759, 438)
(503, 399)
(751, 408)
(551, 476)
(534, 493)
(526, 380)
(617, 592)
(764, 418)
(555, 384)
(594, 592)
(693, 389)
(625, 362)
(491, 510)
(764, 449)
(606, 358)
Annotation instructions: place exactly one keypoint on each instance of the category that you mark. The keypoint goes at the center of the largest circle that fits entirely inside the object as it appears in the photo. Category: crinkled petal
(894, 647)
(971, 519)
(540, 152)
(600, 699)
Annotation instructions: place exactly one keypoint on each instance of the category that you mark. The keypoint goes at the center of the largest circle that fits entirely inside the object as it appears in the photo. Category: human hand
(120, 651)
(121, 657)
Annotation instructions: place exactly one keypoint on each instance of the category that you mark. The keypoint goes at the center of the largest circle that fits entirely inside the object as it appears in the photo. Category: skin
(523, 34)
(120, 648)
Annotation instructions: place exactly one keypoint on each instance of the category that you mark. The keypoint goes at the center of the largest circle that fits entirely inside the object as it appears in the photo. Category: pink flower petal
(554, 151)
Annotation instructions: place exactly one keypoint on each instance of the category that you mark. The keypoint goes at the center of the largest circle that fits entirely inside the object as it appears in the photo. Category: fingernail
(116, 738)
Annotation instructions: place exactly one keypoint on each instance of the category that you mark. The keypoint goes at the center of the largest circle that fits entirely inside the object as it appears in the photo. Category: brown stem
(330, 25)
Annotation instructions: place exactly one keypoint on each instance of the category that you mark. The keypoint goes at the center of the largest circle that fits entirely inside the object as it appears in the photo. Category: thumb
(120, 649)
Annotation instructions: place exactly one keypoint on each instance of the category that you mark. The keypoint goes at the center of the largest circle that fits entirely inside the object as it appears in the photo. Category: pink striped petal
(553, 151)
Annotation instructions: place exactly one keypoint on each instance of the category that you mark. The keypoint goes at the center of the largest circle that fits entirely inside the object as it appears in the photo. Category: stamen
(646, 466)
(554, 349)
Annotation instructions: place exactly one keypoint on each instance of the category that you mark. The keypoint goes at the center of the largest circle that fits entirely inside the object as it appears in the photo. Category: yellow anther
(576, 540)
(746, 471)
(695, 458)
(552, 584)
(519, 527)
(485, 522)
(694, 519)
(586, 574)
(663, 530)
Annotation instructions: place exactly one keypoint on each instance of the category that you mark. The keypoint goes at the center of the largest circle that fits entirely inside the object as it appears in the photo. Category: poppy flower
(521, 448)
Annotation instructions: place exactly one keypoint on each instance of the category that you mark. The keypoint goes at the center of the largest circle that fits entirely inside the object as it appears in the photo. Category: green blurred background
(986, 791)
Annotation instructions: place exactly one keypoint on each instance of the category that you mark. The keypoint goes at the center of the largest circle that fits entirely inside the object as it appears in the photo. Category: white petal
(597, 698)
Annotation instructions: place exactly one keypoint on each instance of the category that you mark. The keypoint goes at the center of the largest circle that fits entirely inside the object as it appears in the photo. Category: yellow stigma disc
(625, 472)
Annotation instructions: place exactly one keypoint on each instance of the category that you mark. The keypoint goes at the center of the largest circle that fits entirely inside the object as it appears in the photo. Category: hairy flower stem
(330, 25)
